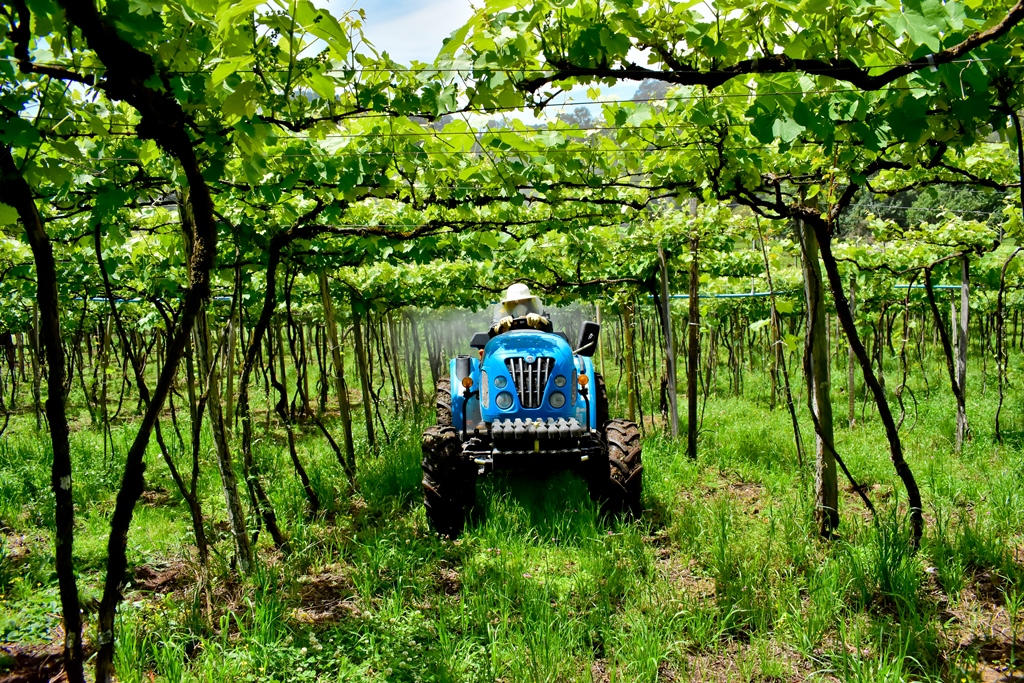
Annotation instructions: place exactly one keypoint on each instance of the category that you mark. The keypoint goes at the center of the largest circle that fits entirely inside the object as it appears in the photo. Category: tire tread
(449, 480)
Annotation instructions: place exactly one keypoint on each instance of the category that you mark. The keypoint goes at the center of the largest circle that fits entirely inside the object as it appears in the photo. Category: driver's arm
(537, 321)
(502, 325)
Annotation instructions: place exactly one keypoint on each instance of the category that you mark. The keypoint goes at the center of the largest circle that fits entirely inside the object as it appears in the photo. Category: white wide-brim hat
(518, 292)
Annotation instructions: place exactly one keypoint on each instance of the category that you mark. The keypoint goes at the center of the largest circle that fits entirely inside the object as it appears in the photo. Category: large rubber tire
(443, 402)
(616, 481)
(601, 396)
(449, 481)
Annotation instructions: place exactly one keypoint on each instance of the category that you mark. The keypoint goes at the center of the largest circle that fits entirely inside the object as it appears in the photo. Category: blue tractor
(528, 402)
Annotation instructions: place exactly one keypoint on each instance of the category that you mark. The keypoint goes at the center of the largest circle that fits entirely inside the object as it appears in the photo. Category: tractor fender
(459, 404)
(585, 366)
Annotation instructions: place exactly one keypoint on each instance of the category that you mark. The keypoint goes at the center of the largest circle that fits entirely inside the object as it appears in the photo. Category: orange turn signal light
(467, 382)
(583, 380)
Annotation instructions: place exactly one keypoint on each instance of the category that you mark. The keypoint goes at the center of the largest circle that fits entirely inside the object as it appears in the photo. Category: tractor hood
(529, 375)
(521, 342)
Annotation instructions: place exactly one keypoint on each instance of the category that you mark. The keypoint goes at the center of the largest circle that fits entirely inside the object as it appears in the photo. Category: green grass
(722, 578)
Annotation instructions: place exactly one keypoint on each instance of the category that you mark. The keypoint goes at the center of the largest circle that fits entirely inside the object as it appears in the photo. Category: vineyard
(244, 255)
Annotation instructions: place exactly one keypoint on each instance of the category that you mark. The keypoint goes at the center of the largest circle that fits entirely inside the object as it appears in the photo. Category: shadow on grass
(549, 507)
(1013, 438)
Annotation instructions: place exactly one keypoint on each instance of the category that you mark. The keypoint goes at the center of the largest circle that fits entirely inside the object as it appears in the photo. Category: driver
(519, 309)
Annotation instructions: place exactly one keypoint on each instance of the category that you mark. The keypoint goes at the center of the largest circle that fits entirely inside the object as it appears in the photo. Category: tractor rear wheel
(616, 481)
(443, 402)
(449, 480)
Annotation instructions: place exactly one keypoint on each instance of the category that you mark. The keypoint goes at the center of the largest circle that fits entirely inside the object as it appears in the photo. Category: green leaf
(955, 10)
(763, 128)
(455, 40)
(18, 132)
(228, 12)
(241, 102)
(324, 26)
(787, 129)
(8, 215)
(641, 115)
(917, 21)
(488, 239)
(228, 67)
(146, 7)
(322, 85)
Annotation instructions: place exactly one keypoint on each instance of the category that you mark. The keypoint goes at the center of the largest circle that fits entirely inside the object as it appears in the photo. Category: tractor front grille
(530, 379)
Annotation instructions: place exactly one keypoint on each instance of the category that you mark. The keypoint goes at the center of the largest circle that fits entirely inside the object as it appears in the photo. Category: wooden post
(954, 338)
(339, 374)
(34, 351)
(962, 428)
(190, 382)
(409, 344)
(302, 376)
(880, 346)
(229, 482)
(21, 349)
(712, 365)
(773, 344)
(627, 325)
(693, 351)
(279, 345)
(670, 351)
(417, 363)
(851, 360)
(229, 377)
(396, 365)
(600, 339)
(158, 344)
(826, 489)
(364, 380)
(104, 361)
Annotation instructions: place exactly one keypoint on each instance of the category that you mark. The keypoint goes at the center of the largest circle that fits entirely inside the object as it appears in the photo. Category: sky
(408, 29)
(414, 30)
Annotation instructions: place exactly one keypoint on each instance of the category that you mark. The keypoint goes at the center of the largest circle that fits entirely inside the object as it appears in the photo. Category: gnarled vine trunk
(903, 471)
(15, 192)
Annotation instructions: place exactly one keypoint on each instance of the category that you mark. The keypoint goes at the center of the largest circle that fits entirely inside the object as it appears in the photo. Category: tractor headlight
(557, 399)
(560, 381)
(500, 382)
(503, 400)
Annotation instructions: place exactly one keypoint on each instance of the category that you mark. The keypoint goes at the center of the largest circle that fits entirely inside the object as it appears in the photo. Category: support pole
(693, 330)
(229, 372)
(962, 428)
(670, 351)
(627, 327)
(364, 380)
(851, 360)
(826, 486)
(331, 328)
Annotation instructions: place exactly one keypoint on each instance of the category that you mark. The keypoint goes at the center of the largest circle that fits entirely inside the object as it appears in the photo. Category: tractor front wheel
(449, 480)
(617, 481)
